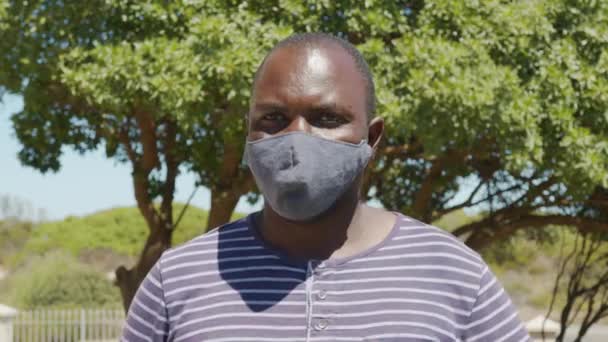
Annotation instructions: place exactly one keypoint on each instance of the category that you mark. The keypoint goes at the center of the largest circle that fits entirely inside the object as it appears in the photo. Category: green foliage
(59, 280)
(13, 235)
(509, 93)
(121, 230)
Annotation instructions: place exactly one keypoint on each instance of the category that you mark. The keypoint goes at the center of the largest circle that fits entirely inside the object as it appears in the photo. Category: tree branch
(504, 229)
(422, 200)
(172, 164)
(147, 130)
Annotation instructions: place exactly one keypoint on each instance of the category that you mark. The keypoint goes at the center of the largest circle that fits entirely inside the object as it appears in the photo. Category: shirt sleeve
(147, 319)
(493, 317)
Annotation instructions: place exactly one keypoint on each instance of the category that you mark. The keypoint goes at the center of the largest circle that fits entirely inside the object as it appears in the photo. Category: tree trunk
(128, 280)
(233, 182)
(223, 203)
(159, 221)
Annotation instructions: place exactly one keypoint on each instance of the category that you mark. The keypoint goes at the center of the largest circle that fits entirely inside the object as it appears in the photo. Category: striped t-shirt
(419, 284)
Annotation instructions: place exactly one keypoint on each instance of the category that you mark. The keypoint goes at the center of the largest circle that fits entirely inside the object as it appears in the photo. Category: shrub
(13, 235)
(59, 280)
(120, 230)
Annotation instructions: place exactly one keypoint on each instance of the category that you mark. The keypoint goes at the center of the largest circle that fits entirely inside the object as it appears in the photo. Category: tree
(583, 273)
(506, 96)
(510, 96)
(151, 82)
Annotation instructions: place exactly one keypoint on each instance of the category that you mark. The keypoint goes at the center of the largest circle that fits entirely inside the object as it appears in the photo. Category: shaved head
(323, 40)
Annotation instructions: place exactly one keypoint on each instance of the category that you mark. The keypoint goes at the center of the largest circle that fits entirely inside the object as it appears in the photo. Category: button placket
(322, 294)
(321, 318)
(321, 324)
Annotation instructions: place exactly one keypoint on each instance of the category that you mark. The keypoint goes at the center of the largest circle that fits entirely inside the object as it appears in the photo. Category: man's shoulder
(415, 236)
(207, 245)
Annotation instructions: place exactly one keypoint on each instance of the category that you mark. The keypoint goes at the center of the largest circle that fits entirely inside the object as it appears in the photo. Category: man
(317, 264)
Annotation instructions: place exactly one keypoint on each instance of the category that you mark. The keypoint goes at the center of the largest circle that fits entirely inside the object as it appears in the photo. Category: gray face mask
(301, 175)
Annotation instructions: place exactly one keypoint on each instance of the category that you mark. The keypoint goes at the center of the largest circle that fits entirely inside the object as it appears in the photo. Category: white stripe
(233, 270)
(236, 328)
(255, 339)
(404, 268)
(233, 292)
(494, 328)
(152, 296)
(218, 260)
(489, 300)
(210, 251)
(406, 289)
(517, 329)
(233, 314)
(413, 227)
(224, 282)
(416, 279)
(373, 337)
(488, 317)
(433, 243)
(416, 236)
(146, 324)
(397, 312)
(487, 286)
(239, 303)
(150, 311)
(136, 332)
(396, 300)
(204, 243)
(155, 282)
(418, 255)
(392, 324)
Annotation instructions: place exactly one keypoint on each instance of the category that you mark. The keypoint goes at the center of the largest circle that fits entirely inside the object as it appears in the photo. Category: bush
(59, 280)
(13, 235)
(120, 230)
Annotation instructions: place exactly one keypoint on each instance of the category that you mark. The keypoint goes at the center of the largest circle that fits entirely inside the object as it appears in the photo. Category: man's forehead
(309, 66)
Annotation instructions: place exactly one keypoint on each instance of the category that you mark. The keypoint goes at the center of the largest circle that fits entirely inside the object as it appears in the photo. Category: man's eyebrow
(333, 108)
(269, 106)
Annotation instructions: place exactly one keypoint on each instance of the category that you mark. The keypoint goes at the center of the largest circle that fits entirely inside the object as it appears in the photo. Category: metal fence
(70, 325)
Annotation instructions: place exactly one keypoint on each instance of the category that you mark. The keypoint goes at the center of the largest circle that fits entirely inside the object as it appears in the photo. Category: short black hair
(316, 38)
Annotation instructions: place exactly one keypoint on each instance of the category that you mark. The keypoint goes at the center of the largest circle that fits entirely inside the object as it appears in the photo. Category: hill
(113, 233)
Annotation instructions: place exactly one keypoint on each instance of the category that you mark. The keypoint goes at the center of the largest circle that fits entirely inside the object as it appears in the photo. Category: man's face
(317, 90)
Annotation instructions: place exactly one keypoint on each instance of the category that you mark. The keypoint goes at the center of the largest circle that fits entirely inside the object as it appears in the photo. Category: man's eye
(328, 119)
(273, 117)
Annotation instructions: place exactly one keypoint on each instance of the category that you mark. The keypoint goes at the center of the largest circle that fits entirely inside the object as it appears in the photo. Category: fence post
(83, 325)
(538, 324)
(7, 316)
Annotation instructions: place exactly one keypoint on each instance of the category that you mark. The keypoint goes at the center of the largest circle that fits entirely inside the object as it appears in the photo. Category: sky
(84, 184)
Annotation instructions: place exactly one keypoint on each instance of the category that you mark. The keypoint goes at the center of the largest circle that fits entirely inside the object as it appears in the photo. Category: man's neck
(338, 233)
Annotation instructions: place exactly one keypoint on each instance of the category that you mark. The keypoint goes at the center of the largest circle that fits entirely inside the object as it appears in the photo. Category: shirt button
(322, 294)
(321, 324)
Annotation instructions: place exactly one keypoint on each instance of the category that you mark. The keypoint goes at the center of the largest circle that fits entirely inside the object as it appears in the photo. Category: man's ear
(375, 132)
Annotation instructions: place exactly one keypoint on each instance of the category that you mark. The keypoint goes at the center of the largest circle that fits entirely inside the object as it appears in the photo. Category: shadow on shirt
(262, 276)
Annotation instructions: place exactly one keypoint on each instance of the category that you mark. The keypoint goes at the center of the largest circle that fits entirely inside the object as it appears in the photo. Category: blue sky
(83, 185)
